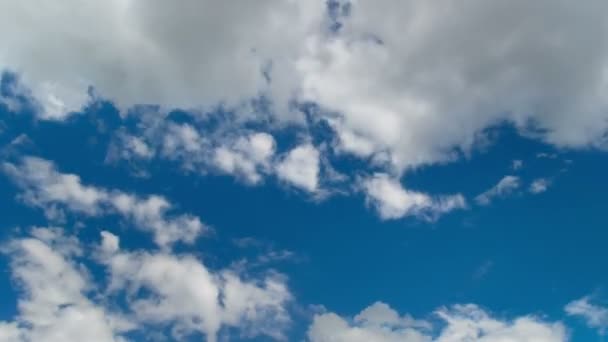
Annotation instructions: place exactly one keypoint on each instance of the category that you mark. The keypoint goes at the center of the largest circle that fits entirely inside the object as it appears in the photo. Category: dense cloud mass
(402, 84)
(419, 79)
(191, 54)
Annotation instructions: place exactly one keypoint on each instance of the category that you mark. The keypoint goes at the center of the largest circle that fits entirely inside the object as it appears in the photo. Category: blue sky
(354, 179)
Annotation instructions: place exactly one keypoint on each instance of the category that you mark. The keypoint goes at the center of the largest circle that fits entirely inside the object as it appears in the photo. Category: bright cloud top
(417, 80)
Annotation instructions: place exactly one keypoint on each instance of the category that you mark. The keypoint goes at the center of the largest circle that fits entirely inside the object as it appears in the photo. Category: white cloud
(300, 167)
(61, 301)
(419, 80)
(380, 323)
(43, 186)
(504, 187)
(191, 55)
(132, 147)
(594, 315)
(392, 201)
(247, 156)
(181, 139)
(184, 293)
(350, 141)
(54, 305)
(395, 73)
(404, 82)
(150, 214)
(539, 185)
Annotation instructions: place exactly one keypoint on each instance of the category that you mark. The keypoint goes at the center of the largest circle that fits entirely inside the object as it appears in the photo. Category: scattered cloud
(184, 293)
(388, 87)
(129, 147)
(545, 155)
(539, 185)
(506, 186)
(266, 252)
(595, 316)
(392, 201)
(45, 187)
(517, 164)
(380, 323)
(60, 300)
(301, 167)
(55, 305)
(247, 156)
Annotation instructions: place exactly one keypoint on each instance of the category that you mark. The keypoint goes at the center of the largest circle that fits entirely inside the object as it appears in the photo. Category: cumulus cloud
(61, 301)
(398, 71)
(539, 185)
(380, 323)
(392, 201)
(54, 305)
(129, 147)
(189, 55)
(403, 84)
(394, 72)
(595, 316)
(181, 139)
(503, 188)
(247, 156)
(45, 187)
(185, 293)
(300, 167)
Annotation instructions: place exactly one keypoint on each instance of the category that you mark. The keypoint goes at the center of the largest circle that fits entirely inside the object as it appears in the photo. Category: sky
(319, 171)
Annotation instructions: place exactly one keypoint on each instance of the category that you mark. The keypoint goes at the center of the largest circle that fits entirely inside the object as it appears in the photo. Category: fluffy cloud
(247, 156)
(190, 55)
(129, 147)
(380, 323)
(392, 201)
(43, 186)
(61, 301)
(402, 83)
(395, 72)
(54, 305)
(183, 292)
(504, 187)
(300, 167)
(594, 315)
(420, 80)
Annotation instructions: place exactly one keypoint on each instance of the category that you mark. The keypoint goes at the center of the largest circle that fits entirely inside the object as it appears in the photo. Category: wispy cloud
(506, 186)
(595, 316)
